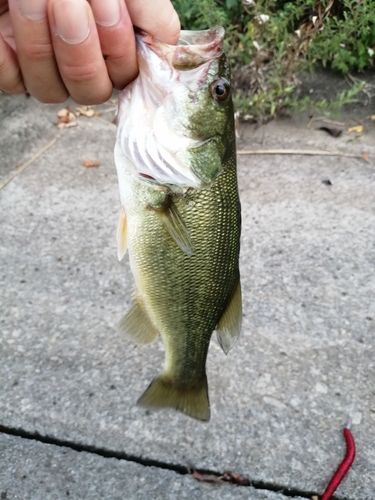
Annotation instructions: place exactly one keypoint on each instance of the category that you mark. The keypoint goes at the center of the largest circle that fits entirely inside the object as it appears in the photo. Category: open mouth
(206, 39)
(194, 48)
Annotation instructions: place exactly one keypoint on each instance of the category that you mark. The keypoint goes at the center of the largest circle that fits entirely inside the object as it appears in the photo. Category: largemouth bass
(180, 218)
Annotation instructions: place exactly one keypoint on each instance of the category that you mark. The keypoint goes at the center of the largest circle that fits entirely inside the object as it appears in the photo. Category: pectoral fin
(176, 227)
(136, 323)
(229, 326)
(122, 231)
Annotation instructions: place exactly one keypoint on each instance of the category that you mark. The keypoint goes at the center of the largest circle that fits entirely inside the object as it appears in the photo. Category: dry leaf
(229, 477)
(365, 156)
(207, 478)
(63, 112)
(358, 129)
(87, 111)
(89, 164)
(67, 118)
(62, 125)
(235, 478)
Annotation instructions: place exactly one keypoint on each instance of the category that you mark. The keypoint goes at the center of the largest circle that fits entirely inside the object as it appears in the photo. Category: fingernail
(71, 20)
(106, 13)
(35, 10)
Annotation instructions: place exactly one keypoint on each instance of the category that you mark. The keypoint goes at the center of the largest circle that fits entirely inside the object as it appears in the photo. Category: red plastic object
(343, 468)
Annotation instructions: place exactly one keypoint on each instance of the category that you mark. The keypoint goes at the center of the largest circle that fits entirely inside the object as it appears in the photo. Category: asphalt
(305, 362)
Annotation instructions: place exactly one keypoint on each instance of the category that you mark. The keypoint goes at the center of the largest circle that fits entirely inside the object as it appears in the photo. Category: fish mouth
(193, 49)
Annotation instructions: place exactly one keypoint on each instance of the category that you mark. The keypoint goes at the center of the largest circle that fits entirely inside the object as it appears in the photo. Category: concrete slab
(33, 471)
(280, 398)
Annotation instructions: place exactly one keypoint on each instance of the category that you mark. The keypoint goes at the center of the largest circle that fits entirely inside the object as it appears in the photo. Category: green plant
(200, 15)
(270, 42)
(351, 38)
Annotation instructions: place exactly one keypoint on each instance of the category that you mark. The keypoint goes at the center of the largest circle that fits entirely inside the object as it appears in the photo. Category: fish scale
(184, 245)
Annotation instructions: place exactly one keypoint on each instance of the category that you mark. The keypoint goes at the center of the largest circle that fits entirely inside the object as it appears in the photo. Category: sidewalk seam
(147, 462)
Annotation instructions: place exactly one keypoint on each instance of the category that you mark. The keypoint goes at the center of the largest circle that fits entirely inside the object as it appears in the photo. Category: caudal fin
(163, 393)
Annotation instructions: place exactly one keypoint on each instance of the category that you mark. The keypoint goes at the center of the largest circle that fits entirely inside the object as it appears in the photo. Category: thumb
(156, 17)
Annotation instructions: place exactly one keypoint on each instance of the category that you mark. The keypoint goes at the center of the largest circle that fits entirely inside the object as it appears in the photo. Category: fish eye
(220, 89)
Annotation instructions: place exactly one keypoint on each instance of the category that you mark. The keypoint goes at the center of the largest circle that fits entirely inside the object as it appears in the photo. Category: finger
(77, 51)
(3, 6)
(10, 73)
(117, 40)
(35, 51)
(6, 30)
(156, 17)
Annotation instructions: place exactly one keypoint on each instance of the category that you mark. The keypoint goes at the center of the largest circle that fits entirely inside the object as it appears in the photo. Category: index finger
(3, 6)
(156, 17)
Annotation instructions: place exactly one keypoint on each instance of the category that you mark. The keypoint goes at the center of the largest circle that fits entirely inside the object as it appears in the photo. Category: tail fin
(163, 393)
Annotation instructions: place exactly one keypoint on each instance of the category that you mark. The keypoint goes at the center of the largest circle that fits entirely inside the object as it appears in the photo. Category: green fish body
(180, 218)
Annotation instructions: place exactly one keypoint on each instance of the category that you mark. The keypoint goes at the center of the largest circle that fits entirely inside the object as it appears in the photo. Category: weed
(348, 42)
(270, 42)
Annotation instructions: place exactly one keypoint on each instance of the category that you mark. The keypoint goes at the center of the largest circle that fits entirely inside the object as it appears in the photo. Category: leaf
(66, 117)
(229, 477)
(89, 163)
(207, 478)
(230, 3)
(63, 112)
(87, 111)
(358, 129)
(235, 478)
(61, 125)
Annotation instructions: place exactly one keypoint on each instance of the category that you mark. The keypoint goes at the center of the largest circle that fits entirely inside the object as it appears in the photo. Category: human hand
(54, 49)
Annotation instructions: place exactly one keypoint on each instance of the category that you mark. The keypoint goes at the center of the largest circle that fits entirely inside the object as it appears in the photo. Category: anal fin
(136, 323)
(164, 393)
(122, 233)
(176, 228)
(229, 326)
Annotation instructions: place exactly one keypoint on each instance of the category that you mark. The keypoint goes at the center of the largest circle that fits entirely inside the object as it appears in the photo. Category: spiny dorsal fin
(136, 323)
(229, 326)
(122, 232)
(163, 393)
(176, 227)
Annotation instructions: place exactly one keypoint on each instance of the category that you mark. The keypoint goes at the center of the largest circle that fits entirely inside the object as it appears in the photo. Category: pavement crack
(148, 462)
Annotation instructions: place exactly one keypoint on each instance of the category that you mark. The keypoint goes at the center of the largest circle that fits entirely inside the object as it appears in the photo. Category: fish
(180, 217)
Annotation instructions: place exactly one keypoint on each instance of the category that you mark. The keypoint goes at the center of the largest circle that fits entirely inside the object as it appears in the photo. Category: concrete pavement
(279, 400)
